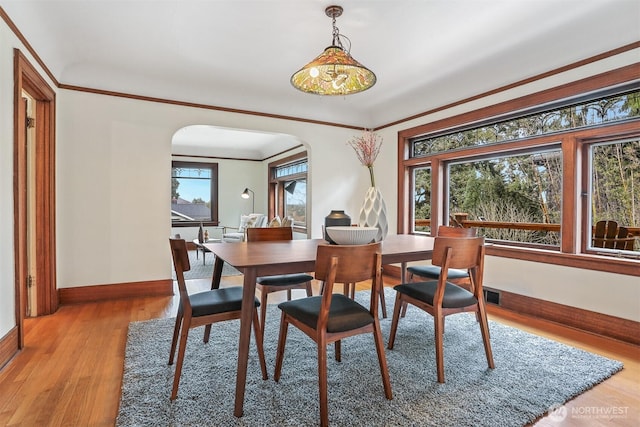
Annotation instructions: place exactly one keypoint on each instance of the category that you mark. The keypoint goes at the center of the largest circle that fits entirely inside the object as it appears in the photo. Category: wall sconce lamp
(245, 195)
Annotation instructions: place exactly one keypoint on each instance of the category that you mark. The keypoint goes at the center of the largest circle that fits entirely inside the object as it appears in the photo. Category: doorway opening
(34, 194)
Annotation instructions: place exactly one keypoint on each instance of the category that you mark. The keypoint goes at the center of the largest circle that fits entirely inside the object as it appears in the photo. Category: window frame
(547, 147)
(213, 167)
(574, 205)
(276, 196)
(586, 192)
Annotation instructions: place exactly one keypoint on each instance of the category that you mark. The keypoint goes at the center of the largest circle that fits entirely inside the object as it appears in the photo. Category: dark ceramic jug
(335, 218)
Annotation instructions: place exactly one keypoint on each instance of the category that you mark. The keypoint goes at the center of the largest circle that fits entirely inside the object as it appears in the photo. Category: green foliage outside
(528, 188)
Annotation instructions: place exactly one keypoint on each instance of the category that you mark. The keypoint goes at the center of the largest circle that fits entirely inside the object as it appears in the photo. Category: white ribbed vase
(373, 213)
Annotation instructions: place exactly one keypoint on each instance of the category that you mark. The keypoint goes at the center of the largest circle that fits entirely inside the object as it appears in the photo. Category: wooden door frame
(26, 78)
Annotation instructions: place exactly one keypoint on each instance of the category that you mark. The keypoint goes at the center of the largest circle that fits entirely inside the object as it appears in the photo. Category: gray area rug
(203, 270)
(532, 375)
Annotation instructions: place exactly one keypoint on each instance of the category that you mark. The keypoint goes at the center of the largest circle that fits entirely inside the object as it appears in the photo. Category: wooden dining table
(254, 259)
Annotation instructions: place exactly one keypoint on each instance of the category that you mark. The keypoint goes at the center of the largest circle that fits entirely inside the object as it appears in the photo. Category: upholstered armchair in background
(246, 221)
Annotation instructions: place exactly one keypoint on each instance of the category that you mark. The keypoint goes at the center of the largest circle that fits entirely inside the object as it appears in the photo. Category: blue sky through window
(190, 189)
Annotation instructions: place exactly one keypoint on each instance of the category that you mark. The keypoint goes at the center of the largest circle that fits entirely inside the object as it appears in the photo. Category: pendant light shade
(334, 71)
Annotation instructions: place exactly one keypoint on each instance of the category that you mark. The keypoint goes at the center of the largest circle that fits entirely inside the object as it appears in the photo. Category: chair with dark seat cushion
(281, 282)
(204, 308)
(432, 272)
(333, 316)
(441, 298)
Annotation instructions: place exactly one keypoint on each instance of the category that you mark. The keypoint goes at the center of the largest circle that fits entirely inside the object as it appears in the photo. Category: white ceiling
(204, 140)
(240, 54)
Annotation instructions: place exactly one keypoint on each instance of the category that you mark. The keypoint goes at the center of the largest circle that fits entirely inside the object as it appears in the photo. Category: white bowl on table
(347, 235)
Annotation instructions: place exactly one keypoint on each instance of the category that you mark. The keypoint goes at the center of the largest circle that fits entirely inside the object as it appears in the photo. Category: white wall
(8, 42)
(7, 294)
(124, 147)
(113, 192)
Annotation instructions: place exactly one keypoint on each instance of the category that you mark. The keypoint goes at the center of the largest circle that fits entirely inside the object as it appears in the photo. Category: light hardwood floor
(70, 372)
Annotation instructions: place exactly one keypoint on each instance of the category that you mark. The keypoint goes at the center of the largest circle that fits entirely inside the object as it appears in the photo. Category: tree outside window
(506, 176)
(422, 199)
(614, 190)
(523, 190)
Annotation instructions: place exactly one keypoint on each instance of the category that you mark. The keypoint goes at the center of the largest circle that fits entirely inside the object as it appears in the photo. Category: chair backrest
(269, 234)
(448, 231)
(181, 264)
(349, 264)
(624, 241)
(460, 253)
(607, 234)
(604, 231)
(180, 255)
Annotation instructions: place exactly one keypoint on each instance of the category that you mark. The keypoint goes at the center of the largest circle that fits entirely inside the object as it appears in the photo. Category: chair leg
(404, 304)
(184, 334)
(282, 339)
(257, 331)
(404, 309)
(438, 320)
(394, 321)
(484, 328)
(288, 294)
(383, 304)
(338, 350)
(322, 382)
(176, 333)
(207, 333)
(382, 359)
(264, 293)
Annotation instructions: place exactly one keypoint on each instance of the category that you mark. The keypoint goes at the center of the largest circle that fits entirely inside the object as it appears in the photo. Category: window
(288, 189)
(589, 113)
(295, 201)
(536, 177)
(614, 194)
(194, 193)
(422, 199)
(514, 198)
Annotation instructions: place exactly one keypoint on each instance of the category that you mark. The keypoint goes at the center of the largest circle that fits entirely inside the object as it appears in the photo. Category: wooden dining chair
(281, 282)
(432, 272)
(349, 289)
(204, 308)
(333, 316)
(441, 298)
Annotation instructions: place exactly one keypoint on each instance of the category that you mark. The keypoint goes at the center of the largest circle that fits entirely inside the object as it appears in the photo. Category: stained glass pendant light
(334, 71)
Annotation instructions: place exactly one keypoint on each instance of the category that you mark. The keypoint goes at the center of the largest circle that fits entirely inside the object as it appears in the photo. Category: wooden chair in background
(441, 298)
(204, 308)
(332, 316)
(432, 272)
(269, 284)
(607, 234)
